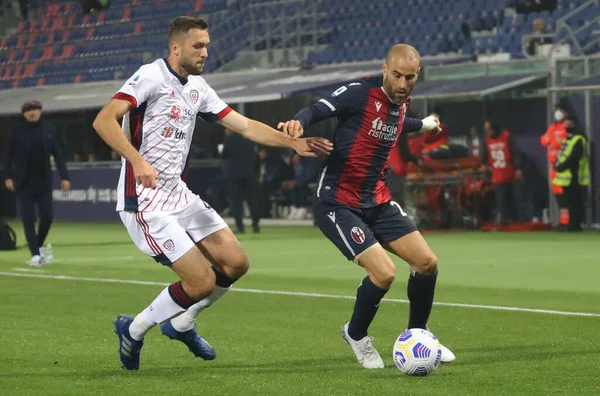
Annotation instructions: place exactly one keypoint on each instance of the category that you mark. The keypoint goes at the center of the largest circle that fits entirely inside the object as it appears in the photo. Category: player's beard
(392, 93)
(193, 69)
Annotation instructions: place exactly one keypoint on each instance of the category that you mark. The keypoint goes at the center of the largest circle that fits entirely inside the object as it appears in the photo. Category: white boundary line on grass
(302, 294)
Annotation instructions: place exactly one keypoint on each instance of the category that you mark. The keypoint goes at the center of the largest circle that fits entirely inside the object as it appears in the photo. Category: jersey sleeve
(144, 84)
(212, 108)
(345, 99)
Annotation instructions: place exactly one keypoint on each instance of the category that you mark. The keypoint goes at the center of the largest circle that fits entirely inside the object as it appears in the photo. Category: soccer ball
(417, 352)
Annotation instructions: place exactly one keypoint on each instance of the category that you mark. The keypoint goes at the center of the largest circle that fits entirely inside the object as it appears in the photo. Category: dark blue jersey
(369, 124)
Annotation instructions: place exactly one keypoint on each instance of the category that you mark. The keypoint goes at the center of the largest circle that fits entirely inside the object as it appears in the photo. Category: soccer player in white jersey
(159, 105)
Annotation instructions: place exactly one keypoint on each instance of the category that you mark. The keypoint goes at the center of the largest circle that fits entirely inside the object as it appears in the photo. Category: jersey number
(396, 204)
(499, 159)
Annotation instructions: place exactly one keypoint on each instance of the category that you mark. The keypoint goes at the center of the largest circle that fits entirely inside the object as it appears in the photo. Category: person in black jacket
(240, 159)
(27, 172)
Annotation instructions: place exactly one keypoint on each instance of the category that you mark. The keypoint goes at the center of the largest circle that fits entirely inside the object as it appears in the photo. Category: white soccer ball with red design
(417, 352)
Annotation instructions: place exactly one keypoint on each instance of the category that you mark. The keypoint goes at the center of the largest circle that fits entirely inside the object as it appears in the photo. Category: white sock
(185, 321)
(162, 308)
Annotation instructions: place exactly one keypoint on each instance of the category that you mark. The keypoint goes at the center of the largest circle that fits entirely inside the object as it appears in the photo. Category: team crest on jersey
(194, 96)
(169, 245)
(176, 112)
(357, 235)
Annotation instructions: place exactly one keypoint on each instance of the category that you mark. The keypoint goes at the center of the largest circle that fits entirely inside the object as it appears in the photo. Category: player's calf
(381, 273)
(413, 249)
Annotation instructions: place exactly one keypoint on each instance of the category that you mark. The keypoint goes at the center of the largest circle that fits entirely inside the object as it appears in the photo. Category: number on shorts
(396, 204)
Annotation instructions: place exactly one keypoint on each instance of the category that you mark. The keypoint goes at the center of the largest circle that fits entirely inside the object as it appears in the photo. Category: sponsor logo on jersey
(378, 106)
(134, 81)
(339, 91)
(381, 130)
(173, 133)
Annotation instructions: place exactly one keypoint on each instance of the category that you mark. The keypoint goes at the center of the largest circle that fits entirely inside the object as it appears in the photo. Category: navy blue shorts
(353, 230)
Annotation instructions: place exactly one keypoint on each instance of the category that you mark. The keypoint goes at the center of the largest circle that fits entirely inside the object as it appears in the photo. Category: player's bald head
(403, 52)
(400, 71)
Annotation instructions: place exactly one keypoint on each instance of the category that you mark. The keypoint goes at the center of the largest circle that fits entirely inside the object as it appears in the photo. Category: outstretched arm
(345, 99)
(265, 135)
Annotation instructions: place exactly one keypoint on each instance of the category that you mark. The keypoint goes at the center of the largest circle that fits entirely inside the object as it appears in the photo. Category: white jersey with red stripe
(161, 125)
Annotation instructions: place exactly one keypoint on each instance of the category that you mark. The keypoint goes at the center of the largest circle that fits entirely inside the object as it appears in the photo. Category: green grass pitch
(56, 335)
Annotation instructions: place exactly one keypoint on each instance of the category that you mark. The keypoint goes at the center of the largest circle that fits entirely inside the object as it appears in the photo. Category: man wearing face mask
(27, 171)
(552, 140)
(503, 158)
(573, 173)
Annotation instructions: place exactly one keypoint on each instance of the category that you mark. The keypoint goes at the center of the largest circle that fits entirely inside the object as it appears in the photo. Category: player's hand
(519, 174)
(10, 184)
(65, 185)
(431, 124)
(292, 129)
(145, 174)
(313, 147)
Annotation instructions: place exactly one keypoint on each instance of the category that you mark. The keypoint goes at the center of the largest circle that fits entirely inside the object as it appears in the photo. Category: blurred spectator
(24, 9)
(239, 155)
(528, 6)
(273, 171)
(305, 172)
(502, 157)
(94, 5)
(539, 29)
(573, 173)
(552, 140)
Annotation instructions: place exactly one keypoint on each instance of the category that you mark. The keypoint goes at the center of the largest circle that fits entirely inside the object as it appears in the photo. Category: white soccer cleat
(447, 355)
(36, 261)
(365, 352)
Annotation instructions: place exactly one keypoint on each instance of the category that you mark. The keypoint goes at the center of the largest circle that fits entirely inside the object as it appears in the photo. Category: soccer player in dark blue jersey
(354, 208)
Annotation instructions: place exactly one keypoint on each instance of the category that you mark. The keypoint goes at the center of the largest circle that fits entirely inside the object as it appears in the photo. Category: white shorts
(168, 235)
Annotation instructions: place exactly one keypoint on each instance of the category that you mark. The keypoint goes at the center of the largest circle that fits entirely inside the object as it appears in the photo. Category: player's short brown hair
(183, 24)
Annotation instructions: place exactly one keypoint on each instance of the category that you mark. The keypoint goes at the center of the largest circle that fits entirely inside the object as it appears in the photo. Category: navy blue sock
(420, 292)
(221, 279)
(368, 296)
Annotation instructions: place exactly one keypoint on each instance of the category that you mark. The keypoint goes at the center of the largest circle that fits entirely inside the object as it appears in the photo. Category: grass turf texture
(56, 336)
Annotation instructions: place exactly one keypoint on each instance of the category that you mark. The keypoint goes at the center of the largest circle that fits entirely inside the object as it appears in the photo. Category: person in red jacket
(552, 140)
(502, 157)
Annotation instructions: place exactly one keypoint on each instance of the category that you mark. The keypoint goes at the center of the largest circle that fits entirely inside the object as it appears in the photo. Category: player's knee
(427, 265)
(201, 285)
(237, 266)
(384, 276)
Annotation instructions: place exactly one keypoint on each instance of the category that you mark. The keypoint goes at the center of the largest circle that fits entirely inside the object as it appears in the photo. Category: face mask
(558, 115)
